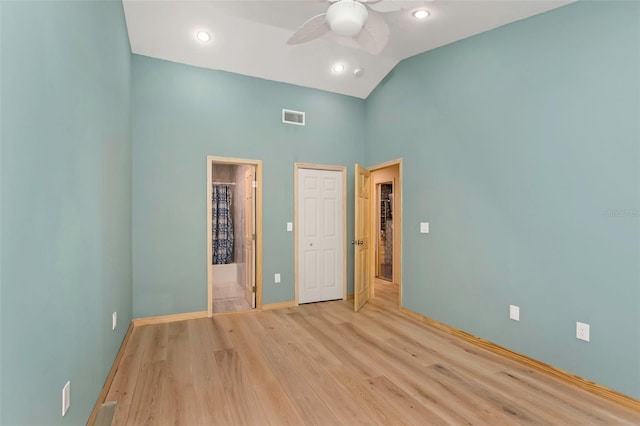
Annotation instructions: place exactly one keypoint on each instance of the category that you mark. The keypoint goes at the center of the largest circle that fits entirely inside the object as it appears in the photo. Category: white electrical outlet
(582, 331)
(289, 226)
(514, 312)
(424, 227)
(66, 398)
(114, 320)
(276, 278)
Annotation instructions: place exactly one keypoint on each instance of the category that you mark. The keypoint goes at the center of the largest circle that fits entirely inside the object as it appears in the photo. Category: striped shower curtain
(222, 224)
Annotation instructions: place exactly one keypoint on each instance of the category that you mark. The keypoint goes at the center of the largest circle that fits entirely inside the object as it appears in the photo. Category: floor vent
(105, 415)
(293, 117)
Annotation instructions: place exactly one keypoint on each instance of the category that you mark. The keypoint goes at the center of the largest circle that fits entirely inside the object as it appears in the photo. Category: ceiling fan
(360, 19)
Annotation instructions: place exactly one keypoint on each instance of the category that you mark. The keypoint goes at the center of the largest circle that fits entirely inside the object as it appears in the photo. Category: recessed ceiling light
(420, 14)
(338, 68)
(203, 36)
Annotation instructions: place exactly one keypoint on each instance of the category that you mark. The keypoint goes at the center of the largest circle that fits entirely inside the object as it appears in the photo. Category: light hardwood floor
(323, 364)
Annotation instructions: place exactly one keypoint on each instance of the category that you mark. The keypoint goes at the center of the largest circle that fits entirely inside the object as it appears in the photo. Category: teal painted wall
(1, 214)
(66, 204)
(521, 147)
(181, 114)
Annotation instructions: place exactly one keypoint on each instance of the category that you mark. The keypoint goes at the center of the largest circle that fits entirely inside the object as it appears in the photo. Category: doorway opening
(378, 233)
(385, 178)
(234, 211)
(384, 231)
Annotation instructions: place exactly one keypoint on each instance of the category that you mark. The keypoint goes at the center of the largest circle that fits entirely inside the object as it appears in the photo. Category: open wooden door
(250, 239)
(362, 239)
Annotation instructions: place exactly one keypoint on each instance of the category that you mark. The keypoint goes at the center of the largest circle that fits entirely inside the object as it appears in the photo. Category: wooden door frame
(258, 218)
(397, 222)
(249, 240)
(343, 170)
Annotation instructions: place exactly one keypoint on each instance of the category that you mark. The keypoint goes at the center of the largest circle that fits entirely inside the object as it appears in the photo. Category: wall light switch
(114, 320)
(424, 227)
(276, 278)
(514, 312)
(289, 226)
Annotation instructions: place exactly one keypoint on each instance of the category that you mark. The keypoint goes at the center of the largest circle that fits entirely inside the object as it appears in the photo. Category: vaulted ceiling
(250, 37)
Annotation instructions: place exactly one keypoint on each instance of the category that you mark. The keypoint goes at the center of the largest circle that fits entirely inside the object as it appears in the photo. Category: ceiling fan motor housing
(346, 17)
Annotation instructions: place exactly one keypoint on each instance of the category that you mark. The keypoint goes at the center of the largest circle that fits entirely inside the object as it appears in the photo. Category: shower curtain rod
(223, 183)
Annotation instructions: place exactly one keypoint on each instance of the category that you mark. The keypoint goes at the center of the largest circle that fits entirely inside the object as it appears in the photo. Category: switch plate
(276, 278)
(582, 331)
(66, 398)
(114, 320)
(424, 227)
(514, 312)
(289, 226)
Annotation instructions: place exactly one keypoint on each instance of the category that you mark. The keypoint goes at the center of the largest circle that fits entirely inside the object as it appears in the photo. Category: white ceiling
(249, 37)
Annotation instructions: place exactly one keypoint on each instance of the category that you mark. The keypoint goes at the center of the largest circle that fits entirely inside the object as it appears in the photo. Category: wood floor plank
(124, 382)
(212, 405)
(323, 364)
(311, 359)
(202, 348)
(330, 337)
(179, 403)
(497, 403)
(342, 406)
(377, 407)
(416, 381)
(277, 406)
(288, 332)
(307, 403)
(243, 402)
(424, 356)
(247, 347)
(414, 411)
(146, 406)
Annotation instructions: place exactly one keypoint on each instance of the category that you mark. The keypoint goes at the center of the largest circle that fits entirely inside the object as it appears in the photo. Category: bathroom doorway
(233, 234)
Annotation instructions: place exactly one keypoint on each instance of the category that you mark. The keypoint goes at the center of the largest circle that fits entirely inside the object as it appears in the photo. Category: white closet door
(320, 240)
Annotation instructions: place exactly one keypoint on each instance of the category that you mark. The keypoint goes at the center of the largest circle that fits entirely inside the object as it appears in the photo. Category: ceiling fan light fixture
(420, 14)
(346, 17)
(203, 36)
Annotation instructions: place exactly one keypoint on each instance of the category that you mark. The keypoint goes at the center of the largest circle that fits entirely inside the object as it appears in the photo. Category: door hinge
(253, 289)
(253, 237)
(254, 184)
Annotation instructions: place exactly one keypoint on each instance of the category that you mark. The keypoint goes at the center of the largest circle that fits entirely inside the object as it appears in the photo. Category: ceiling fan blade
(312, 29)
(393, 5)
(374, 35)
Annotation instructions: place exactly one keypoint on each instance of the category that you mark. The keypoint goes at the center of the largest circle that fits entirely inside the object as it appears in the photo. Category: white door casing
(320, 235)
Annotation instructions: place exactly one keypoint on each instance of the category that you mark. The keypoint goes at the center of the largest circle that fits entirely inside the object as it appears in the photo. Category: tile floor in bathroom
(228, 297)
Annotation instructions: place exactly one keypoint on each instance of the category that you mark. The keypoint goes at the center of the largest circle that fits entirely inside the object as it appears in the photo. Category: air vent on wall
(293, 117)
